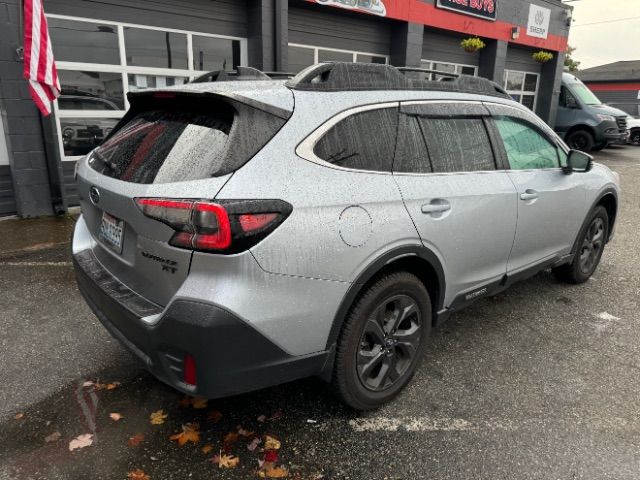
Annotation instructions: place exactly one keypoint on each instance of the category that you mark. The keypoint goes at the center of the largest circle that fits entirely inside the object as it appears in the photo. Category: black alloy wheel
(382, 340)
(592, 246)
(389, 343)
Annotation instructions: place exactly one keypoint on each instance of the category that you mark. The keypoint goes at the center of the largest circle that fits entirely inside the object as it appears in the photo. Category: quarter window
(526, 148)
(363, 141)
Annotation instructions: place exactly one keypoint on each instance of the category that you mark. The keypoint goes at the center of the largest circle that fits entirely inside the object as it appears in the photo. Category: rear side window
(447, 145)
(159, 146)
(526, 148)
(363, 141)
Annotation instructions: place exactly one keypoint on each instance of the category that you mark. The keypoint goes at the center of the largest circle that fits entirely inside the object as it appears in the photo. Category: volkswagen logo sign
(94, 195)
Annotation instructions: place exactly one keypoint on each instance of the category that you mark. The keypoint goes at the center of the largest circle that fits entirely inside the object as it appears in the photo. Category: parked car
(237, 235)
(584, 122)
(633, 125)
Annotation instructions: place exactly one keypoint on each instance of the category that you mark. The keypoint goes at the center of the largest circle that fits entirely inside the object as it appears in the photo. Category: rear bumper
(231, 356)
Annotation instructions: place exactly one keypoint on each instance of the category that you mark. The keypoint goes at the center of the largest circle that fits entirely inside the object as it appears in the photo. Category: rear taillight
(227, 226)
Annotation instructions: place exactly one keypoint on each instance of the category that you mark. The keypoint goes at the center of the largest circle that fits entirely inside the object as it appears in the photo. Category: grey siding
(626, 100)
(520, 58)
(7, 200)
(445, 47)
(223, 17)
(334, 28)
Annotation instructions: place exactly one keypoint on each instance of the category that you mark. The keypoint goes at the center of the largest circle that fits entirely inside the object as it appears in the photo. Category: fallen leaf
(254, 444)
(245, 433)
(185, 402)
(228, 461)
(53, 437)
(261, 418)
(271, 456)
(230, 438)
(18, 415)
(271, 471)
(138, 474)
(136, 440)
(189, 433)
(81, 441)
(310, 420)
(207, 448)
(115, 416)
(199, 403)
(214, 416)
(112, 385)
(88, 383)
(271, 443)
(158, 418)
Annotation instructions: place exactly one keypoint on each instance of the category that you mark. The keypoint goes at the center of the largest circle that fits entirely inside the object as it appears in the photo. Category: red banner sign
(419, 11)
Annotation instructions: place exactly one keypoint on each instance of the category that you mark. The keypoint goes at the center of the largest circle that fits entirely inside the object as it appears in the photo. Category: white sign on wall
(4, 155)
(539, 18)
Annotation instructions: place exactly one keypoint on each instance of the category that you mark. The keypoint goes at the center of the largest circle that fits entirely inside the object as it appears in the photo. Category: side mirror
(570, 102)
(578, 161)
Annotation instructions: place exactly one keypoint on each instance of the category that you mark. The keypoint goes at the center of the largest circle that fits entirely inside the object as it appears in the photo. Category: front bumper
(615, 136)
(231, 356)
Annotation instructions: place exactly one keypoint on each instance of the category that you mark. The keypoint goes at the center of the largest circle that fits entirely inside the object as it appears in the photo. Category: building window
(522, 86)
(457, 68)
(302, 56)
(100, 62)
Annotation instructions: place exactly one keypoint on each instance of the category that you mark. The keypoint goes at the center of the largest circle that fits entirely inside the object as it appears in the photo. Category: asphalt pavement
(539, 382)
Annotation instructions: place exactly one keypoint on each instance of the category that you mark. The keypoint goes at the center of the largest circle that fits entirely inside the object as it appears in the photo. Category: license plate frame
(112, 232)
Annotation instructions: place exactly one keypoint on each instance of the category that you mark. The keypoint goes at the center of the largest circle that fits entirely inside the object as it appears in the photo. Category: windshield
(585, 95)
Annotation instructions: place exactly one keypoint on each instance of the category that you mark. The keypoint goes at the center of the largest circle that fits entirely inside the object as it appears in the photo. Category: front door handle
(529, 195)
(436, 206)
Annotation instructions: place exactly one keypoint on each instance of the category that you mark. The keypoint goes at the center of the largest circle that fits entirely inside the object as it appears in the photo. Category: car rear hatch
(171, 145)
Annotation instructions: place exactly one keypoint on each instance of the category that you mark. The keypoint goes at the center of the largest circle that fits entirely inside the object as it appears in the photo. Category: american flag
(39, 65)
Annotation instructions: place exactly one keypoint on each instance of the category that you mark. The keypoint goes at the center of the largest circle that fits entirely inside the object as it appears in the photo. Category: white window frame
(125, 70)
(458, 66)
(354, 53)
(523, 91)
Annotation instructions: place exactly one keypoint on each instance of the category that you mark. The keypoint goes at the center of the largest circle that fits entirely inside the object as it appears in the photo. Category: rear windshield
(161, 146)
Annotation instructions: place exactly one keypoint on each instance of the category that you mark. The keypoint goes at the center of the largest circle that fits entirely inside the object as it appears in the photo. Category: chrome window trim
(305, 149)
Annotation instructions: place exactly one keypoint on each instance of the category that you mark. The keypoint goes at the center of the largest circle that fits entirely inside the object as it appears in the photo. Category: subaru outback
(244, 232)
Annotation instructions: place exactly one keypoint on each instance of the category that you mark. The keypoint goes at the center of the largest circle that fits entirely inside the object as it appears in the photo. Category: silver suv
(244, 232)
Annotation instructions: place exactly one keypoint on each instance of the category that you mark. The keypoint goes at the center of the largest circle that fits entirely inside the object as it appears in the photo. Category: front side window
(363, 141)
(526, 148)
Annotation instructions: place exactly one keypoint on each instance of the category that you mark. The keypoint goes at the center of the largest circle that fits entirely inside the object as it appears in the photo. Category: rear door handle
(436, 206)
(529, 195)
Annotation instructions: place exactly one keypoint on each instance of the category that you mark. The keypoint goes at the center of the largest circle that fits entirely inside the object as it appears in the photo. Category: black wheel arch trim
(607, 191)
(373, 269)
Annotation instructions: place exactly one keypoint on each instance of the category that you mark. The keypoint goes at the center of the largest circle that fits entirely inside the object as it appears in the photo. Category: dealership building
(107, 48)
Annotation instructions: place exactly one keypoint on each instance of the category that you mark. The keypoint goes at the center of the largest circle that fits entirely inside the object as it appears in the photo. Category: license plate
(112, 231)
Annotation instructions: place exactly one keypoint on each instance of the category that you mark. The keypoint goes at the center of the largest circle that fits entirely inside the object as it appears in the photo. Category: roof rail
(343, 76)
(240, 74)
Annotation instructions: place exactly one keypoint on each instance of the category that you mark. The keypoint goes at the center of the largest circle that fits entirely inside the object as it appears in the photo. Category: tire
(599, 146)
(591, 243)
(581, 140)
(382, 341)
(634, 138)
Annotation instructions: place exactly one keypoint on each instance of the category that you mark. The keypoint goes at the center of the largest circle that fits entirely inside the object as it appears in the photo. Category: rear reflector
(189, 370)
(228, 226)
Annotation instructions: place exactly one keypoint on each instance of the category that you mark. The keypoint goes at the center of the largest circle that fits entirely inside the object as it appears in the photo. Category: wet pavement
(540, 382)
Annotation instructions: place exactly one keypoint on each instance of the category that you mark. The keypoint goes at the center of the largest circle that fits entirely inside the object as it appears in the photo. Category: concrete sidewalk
(23, 235)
